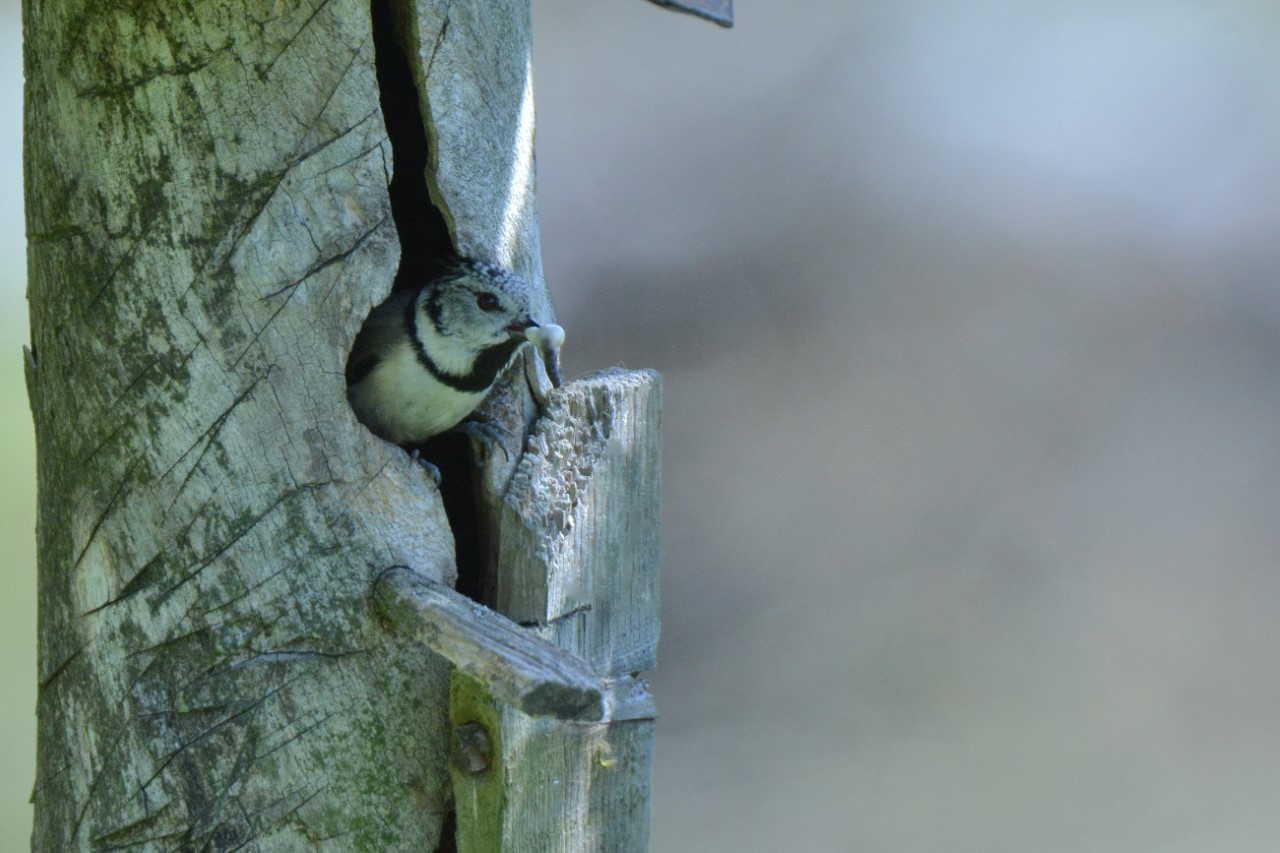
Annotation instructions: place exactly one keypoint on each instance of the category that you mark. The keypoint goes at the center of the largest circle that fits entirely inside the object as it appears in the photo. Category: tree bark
(209, 224)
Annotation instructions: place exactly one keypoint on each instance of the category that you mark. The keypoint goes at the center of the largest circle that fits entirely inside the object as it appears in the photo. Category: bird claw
(432, 471)
(486, 434)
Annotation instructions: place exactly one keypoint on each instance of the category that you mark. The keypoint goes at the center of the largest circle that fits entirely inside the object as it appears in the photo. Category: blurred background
(17, 467)
(969, 317)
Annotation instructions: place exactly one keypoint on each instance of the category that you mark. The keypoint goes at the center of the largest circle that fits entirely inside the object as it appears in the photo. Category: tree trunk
(210, 222)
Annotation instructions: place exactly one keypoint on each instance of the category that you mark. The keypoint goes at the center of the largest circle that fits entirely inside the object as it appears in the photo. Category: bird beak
(520, 327)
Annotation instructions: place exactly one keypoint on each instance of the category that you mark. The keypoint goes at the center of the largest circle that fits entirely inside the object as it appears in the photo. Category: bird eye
(487, 302)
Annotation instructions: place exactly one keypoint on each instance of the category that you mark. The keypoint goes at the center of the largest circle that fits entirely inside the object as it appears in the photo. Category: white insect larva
(548, 339)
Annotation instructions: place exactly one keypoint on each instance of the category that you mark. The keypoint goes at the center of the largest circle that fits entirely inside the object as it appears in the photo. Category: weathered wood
(555, 786)
(717, 11)
(209, 225)
(514, 665)
(477, 100)
(206, 188)
(577, 528)
(476, 95)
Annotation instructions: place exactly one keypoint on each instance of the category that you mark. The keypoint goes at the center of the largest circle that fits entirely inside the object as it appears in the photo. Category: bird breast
(405, 404)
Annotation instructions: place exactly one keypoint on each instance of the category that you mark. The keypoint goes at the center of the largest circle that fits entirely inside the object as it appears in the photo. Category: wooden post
(578, 533)
(552, 731)
(553, 735)
(215, 201)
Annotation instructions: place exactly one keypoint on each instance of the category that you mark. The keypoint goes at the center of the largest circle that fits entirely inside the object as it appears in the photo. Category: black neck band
(484, 370)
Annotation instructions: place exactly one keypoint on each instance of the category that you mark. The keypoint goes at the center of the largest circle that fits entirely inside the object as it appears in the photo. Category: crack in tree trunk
(205, 548)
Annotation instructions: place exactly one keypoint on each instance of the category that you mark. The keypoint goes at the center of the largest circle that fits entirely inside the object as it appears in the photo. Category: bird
(427, 356)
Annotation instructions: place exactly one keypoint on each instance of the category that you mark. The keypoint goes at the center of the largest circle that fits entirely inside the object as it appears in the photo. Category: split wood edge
(515, 665)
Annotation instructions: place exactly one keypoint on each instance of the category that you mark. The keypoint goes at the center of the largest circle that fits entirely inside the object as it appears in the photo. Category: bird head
(470, 310)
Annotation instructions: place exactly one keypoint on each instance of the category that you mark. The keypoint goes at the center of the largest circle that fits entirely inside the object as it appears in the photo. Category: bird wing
(378, 336)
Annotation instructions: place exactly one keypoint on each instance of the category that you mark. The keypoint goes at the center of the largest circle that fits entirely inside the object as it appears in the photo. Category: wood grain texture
(206, 190)
(477, 102)
(556, 786)
(515, 666)
(577, 560)
(579, 534)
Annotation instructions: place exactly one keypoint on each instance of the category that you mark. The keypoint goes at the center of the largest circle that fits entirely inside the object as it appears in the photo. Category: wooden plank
(551, 785)
(717, 11)
(576, 526)
(578, 538)
(515, 666)
(472, 58)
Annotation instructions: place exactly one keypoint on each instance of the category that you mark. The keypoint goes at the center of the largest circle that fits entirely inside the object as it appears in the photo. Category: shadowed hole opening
(425, 245)
(425, 241)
